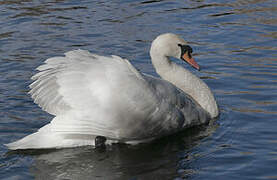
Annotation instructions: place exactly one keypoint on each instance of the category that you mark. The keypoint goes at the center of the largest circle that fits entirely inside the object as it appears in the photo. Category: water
(234, 43)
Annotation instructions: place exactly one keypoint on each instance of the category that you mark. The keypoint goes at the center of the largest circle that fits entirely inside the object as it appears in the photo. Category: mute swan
(104, 98)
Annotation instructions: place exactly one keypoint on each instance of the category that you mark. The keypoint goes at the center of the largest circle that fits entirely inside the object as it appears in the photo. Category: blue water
(234, 42)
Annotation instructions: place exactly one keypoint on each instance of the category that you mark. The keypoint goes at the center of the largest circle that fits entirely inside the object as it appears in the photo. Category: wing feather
(96, 91)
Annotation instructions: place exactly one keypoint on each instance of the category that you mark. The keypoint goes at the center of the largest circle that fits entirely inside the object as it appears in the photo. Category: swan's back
(184, 107)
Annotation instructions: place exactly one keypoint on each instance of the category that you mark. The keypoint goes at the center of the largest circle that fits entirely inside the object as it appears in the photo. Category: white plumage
(92, 95)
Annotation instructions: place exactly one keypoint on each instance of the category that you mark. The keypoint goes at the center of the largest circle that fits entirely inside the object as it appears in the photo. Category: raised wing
(79, 80)
(92, 94)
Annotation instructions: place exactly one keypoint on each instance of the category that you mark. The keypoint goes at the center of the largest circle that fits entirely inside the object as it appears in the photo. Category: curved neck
(186, 81)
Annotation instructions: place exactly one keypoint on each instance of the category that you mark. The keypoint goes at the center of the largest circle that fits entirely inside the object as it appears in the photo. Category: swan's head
(171, 45)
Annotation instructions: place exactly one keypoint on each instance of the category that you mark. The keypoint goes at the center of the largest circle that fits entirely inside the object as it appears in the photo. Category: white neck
(186, 81)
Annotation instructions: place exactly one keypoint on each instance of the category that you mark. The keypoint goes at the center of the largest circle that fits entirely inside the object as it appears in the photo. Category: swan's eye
(184, 49)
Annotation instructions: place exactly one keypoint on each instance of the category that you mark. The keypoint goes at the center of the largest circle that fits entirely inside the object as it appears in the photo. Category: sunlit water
(234, 43)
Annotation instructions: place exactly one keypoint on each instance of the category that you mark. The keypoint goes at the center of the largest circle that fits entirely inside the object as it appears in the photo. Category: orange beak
(191, 61)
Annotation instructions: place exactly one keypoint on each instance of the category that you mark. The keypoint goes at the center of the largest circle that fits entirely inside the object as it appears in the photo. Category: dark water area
(234, 42)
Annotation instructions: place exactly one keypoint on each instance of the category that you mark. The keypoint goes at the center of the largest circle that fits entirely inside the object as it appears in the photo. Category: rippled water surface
(235, 43)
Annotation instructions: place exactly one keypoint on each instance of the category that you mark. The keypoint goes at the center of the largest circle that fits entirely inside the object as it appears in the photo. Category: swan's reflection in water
(157, 160)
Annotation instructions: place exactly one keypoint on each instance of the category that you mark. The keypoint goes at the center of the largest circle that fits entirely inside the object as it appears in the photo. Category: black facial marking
(184, 49)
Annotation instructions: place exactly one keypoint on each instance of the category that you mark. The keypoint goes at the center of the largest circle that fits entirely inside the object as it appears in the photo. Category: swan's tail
(33, 141)
(45, 139)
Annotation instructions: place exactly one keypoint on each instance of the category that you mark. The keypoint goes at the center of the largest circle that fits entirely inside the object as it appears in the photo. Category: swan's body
(92, 95)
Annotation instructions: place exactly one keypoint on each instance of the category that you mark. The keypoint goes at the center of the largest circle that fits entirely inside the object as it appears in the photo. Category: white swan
(105, 96)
